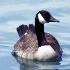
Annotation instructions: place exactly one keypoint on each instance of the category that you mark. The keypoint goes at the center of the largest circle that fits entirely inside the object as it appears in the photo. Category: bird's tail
(22, 29)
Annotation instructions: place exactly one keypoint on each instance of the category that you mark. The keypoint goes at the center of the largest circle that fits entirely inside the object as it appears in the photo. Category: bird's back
(27, 43)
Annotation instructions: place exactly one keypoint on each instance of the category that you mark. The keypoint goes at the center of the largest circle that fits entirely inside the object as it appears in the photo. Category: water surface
(14, 13)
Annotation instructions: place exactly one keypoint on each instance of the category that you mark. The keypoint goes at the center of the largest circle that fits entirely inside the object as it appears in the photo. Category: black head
(45, 16)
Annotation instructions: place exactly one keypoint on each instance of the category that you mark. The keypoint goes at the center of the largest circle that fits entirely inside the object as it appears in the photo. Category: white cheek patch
(41, 19)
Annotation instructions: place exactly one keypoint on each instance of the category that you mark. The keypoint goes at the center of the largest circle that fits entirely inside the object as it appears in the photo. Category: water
(14, 13)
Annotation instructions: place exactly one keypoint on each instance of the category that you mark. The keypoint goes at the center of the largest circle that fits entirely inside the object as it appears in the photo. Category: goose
(34, 43)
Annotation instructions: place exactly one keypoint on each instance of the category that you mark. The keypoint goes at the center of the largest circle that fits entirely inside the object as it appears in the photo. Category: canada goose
(34, 43)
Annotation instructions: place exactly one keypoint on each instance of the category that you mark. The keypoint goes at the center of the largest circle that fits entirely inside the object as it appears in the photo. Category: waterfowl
(36, 44)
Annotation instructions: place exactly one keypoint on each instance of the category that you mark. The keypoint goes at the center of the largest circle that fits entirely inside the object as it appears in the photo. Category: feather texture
(27, 45)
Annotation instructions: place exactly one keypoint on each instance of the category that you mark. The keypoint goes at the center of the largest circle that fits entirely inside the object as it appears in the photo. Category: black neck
(40, 33)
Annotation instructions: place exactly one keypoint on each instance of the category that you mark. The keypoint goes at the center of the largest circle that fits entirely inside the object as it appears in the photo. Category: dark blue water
(16, 12)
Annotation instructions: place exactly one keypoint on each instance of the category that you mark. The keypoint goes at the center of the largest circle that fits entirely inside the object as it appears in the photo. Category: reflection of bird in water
(26, 64)
(34, 43)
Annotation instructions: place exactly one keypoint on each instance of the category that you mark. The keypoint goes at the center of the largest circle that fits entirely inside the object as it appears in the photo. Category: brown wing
(27, 43)
(53, 42)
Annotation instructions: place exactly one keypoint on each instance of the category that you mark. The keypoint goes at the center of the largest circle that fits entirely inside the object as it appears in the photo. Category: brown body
(29, 44)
